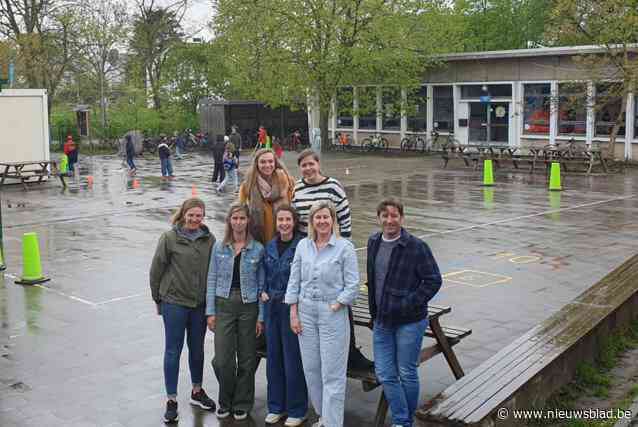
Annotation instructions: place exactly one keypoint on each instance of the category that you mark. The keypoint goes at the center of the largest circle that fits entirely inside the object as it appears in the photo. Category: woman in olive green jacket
(178, 286)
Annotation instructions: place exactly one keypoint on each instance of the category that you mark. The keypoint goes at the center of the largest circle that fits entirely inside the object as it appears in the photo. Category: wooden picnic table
(38, 169)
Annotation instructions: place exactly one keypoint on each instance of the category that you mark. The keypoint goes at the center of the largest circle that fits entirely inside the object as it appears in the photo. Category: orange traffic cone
(194, 191)
(89, 180)
(136, 183)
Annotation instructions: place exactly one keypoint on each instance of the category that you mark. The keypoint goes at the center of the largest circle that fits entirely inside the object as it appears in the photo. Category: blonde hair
(316, 207)
(251, 176)
(228, 232)
(193, 202)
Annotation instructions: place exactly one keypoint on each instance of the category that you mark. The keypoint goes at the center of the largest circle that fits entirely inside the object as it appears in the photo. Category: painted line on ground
(55, 291)
(506, 220)
(120, 299)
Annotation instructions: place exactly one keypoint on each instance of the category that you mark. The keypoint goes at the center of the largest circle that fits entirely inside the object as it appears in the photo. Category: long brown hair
(251, 176)
(193, 202)
(228, 232)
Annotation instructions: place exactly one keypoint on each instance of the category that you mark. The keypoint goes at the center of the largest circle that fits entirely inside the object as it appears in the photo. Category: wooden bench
(528, 371)
(445, 336)
(34, 169)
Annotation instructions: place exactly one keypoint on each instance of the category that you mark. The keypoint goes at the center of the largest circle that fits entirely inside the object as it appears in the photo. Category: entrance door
(489, 123)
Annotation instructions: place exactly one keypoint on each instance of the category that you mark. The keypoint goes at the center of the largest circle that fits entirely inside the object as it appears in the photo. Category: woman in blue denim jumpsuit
(287, 392)
(235, 280)
(324, 279)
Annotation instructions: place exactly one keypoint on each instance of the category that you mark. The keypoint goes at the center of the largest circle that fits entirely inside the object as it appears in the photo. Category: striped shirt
(328, 189)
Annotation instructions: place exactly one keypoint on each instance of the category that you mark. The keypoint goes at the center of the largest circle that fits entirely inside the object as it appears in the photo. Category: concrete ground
(85, 349)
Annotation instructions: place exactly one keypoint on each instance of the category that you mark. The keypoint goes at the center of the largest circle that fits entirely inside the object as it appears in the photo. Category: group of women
(279, 271)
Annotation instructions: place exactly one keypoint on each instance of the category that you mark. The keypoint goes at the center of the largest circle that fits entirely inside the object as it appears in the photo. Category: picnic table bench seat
(445, 338)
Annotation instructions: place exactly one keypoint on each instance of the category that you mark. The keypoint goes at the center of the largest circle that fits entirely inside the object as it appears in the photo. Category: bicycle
(344, 141)
(375, 142)
(413, 143)
(440, 142)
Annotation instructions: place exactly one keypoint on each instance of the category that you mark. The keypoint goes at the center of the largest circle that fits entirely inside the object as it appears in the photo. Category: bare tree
(103, 30)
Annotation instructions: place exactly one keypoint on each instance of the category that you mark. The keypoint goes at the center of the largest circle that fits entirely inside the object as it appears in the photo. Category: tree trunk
(620, 121)
(324, 118)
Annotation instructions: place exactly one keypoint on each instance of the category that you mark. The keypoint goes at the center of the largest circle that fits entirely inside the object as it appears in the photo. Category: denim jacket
(330, 275)
(278, 268)
(220, 274)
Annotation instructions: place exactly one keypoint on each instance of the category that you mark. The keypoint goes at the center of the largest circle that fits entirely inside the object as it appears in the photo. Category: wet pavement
(85, 349)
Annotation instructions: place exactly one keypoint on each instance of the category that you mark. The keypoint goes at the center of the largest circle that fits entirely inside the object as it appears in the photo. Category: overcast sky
(197, 16)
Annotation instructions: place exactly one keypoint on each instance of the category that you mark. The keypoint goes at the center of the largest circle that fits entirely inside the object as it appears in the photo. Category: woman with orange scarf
(267, 186)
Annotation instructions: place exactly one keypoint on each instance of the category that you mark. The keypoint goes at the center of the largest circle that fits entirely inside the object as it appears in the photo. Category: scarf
(262, 191)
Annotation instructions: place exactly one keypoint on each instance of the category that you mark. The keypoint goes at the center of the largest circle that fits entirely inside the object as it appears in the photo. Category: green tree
(156, 30)
(193, 71)
(43, 32)
(503, 24)
(285, 52)
(613, 26)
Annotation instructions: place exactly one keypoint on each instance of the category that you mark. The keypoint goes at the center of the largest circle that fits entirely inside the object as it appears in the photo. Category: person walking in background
(287, 392)
(267, 186)
(179, 145)
(230, 168)
(165, 160)
(235, 281)
(71, 151)
(235, 139)
(324, 280)
(262, 137)
(219, 147)
(178, 287)
(403, 276)
(130, 154)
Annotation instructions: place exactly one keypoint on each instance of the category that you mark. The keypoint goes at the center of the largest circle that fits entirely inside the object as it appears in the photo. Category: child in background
(231, 164)
(165, 160)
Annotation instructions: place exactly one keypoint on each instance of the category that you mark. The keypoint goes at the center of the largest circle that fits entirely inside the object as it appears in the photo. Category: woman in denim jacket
(287, 392)
(235, 279)
(324, 279)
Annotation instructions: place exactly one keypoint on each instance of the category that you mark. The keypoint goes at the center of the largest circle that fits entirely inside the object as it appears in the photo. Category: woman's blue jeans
(396, 362)
(180, 321)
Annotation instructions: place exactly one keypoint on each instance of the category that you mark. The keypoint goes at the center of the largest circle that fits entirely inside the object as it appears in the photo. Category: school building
(511, 97)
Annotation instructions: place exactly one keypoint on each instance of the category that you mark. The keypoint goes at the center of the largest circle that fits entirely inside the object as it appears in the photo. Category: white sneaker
(272, 418)
(294, 422)
(319, 423)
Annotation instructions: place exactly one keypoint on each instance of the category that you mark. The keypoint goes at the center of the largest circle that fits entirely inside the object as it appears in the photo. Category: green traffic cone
(31, 267)
(488, 173)
(554, 177)
(2, 265)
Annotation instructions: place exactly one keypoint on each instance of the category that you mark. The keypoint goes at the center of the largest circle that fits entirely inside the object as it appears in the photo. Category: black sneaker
(202, 400)
(170, 416)
(240, 415)
(222, 412)
(358, 362)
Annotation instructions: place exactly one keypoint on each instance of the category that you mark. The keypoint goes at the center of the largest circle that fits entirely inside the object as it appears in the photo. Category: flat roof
(523, 53)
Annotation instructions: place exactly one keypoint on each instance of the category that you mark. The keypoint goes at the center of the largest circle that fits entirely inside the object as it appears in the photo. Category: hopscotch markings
(476, 279)
(518, 259)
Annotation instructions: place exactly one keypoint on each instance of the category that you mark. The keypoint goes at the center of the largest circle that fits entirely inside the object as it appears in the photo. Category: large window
(572, 109)
(443, 108)
(391, 108)
(536, 108)
(344, 107)
(478, 90)
(607, 107)
(417, 109)
(367, 104)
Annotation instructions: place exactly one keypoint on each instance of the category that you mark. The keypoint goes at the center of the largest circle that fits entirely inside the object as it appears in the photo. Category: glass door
(489, 123)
